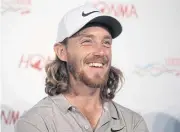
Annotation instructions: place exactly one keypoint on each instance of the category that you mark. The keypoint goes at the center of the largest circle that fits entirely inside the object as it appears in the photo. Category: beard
(97, 81)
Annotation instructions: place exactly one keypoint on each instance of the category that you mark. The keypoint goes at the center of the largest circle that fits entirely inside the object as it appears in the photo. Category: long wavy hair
(57, 80)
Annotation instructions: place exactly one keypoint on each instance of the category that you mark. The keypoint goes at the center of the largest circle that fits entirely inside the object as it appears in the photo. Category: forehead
(97, 30)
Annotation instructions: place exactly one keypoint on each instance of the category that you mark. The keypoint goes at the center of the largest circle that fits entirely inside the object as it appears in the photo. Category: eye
(107, 43)
(86, 41)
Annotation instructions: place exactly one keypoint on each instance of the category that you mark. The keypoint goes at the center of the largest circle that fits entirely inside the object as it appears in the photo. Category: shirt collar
(111, 107)
(116, 115)
(62, 103)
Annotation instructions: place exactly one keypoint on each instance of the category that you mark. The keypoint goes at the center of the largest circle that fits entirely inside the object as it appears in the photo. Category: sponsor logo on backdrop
(171, 66)
(34, 61)
(9, 117)
(16, 6)
(120, 10)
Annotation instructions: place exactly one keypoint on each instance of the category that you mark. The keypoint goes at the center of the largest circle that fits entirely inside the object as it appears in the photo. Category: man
(81, 82)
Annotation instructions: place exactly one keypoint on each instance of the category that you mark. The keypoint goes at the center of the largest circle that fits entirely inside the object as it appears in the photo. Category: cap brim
(110, 22)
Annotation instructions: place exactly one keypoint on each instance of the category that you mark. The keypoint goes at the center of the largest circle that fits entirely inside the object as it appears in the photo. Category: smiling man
(80, 82)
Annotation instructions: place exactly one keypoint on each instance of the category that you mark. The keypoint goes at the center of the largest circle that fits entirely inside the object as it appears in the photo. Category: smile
(99, 65)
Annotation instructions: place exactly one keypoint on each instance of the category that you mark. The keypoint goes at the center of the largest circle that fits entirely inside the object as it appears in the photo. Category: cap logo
(86, 14)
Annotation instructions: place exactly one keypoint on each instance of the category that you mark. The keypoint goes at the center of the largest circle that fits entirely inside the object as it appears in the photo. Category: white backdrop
(148, 53)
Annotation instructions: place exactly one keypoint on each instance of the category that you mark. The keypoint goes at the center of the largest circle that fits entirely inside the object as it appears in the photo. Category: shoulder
(36, 116)
(42, 108)
(126, 111)
(132, 119)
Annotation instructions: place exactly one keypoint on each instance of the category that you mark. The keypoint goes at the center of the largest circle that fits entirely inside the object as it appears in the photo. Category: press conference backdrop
(147, 51)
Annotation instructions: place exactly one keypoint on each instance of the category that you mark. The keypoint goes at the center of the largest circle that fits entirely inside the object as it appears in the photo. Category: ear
(61, 51)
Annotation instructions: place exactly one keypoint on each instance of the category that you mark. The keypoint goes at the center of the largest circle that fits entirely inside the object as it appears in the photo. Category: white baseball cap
(77, 18)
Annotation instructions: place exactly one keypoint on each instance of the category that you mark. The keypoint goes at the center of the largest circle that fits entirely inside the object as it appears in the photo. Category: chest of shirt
(73, 121)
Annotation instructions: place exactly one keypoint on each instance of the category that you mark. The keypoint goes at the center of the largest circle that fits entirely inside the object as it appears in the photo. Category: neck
(83, 96)
(87, 100)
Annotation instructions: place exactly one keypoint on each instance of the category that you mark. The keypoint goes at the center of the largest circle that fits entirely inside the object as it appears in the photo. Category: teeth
(96, 64)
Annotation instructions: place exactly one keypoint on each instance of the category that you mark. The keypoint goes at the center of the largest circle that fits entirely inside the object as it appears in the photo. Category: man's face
(89, 56)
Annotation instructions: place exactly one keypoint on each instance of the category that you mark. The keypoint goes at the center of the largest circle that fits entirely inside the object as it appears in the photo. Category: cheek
(74, 59)
(108, 53)
(110, 57)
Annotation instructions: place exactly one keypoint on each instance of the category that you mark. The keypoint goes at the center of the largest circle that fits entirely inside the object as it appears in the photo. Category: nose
(99, 50)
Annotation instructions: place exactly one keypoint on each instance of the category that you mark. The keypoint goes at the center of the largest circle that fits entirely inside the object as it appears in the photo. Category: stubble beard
(97, 81)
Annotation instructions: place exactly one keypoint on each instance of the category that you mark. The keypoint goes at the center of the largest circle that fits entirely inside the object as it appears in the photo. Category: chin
(95, 81)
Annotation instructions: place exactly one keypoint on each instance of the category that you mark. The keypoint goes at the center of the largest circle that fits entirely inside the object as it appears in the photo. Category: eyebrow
(91, 36)
(108, 37)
